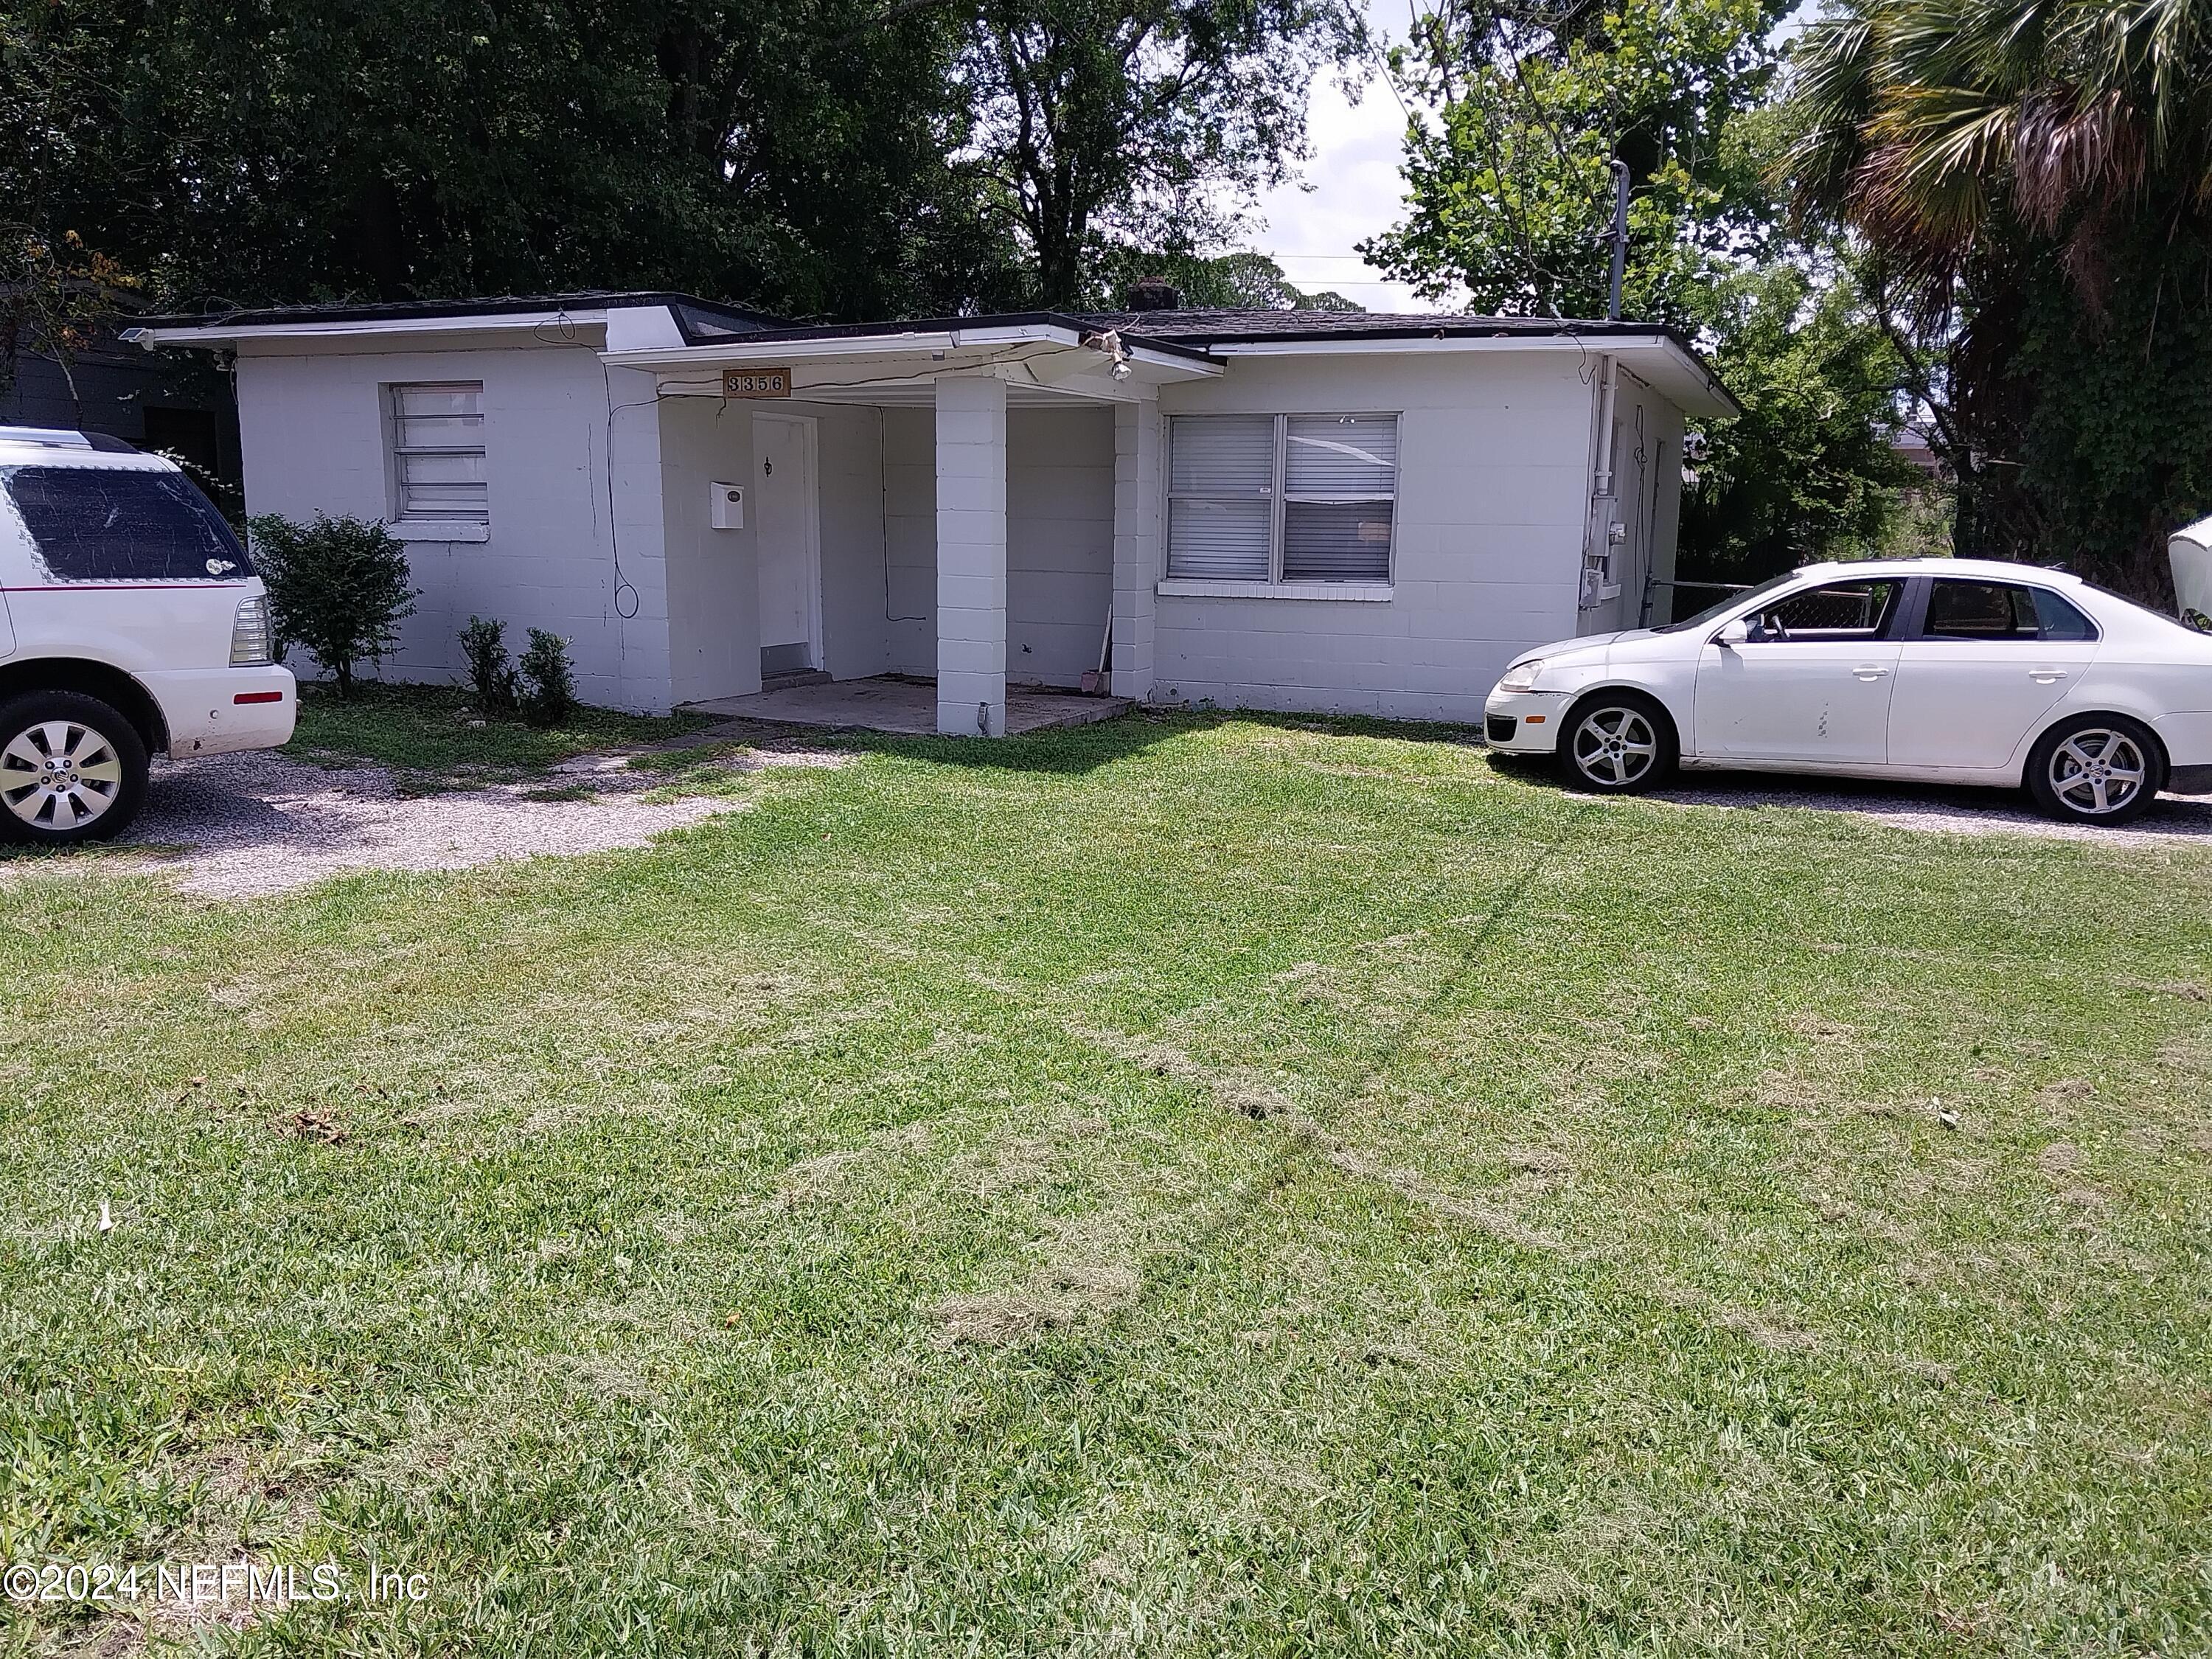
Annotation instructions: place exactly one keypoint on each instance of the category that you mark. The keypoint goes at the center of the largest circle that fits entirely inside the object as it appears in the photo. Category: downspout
(1605, 527)
(1608, 386)
(1604, 519)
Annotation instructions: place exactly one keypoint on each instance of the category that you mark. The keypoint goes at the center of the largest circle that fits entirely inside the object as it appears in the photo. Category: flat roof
(708, 318)
(1663, 356)
(1211, 328)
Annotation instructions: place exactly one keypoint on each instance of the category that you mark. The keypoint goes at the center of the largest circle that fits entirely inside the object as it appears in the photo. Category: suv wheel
(71, 768)
(2096, 768)
(1617, 742)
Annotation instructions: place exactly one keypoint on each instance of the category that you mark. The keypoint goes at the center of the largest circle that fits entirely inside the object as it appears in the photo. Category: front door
(784, 536)
(1990, 660)
(1812, 682)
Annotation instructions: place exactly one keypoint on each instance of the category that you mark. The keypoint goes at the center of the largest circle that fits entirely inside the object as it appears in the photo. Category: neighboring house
(1911, 447)
(179, 406)
(1289, 510)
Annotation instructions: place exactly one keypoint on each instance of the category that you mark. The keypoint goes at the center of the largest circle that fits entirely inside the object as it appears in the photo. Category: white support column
(1138, 538)
(971, 556)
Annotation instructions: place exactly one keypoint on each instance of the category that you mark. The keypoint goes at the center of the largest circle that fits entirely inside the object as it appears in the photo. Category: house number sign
(757, 383)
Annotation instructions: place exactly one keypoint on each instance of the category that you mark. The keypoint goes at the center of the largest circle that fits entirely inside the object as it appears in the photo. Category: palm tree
(2021, 172)
(1933, 124)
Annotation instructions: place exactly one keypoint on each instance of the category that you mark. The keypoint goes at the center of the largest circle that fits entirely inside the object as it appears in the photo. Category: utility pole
(1619, 237)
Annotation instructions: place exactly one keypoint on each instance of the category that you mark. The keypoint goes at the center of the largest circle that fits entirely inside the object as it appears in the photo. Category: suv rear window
(111, 524)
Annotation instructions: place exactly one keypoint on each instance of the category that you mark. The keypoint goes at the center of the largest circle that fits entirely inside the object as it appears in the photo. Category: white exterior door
(784, 536)
(1989, 662)
(1813, 684)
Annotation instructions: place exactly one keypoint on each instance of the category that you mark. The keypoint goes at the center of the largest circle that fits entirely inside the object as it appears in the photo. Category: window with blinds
(1277, 498)
(438, 452)
(1221, 497)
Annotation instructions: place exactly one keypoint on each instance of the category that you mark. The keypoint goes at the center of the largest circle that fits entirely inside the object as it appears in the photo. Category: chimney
(1153, 294)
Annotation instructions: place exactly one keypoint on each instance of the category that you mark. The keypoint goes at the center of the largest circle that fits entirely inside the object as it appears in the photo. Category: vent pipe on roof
(1619, 238)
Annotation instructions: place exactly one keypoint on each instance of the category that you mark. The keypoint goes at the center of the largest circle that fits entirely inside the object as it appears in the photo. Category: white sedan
(1942, 671)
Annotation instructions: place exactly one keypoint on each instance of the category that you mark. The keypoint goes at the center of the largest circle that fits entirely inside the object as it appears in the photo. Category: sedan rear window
(2000, 610)
(111, 524)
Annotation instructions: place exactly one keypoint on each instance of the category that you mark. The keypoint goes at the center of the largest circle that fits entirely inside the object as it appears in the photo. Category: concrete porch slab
(905, 706)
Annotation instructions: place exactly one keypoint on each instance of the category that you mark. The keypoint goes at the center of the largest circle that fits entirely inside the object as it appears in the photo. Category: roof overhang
(1042, 361)
(615, 321)
(1658, 359)
(554, 327)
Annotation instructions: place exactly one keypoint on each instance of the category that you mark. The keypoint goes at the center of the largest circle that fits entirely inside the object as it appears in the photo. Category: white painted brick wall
(1138, 448)
(971, 555)
(1060, 542)
(1491, 496)
(312, 429)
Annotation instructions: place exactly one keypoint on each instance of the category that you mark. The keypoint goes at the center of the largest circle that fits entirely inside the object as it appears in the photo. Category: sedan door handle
(2046, 676)
(1866, 670)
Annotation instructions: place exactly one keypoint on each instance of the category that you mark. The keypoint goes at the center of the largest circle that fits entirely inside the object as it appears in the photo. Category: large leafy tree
(1234, 282)
(2035, 180)
(1523, 110)
(1139, 122)
(793, 153)
(1524, 106)
(1809, 471)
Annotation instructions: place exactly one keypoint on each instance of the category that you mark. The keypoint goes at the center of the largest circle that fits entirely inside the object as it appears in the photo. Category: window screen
(113, 523)
(1336, 477)
(1340, 486)
(1221, 509)
(438, 452)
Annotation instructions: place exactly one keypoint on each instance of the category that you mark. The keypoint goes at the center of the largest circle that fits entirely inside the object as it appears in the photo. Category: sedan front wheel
(1617, 742)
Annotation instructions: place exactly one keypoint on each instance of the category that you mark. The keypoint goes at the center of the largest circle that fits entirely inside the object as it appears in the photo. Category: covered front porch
(961, 520)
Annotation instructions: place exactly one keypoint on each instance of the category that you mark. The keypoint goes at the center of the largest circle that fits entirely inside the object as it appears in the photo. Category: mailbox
(727, 510)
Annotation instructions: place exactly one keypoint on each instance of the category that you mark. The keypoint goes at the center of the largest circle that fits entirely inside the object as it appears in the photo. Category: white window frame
(1280, 498)
(470, 526)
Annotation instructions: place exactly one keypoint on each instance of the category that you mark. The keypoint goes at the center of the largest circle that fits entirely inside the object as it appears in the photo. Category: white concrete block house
(1313, 511)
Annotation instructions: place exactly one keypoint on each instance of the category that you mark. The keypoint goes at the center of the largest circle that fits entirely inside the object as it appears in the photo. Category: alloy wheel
(59, 775)
(2097, 770)
(1615, 746)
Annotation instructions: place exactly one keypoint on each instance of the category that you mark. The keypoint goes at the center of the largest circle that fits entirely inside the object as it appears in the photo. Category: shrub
(337, 587)
(484, 644)
(548, 694)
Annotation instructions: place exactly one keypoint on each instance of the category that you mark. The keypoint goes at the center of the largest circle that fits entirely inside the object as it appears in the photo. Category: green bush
(484, 644)
(548, 694)
(337, 587)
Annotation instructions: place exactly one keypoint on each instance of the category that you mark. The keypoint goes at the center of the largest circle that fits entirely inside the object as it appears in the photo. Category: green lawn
(434, 739)
(1176, 1186)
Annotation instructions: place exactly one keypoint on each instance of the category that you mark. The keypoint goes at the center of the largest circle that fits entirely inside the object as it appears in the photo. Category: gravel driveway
(1958, 811)
(259, 822)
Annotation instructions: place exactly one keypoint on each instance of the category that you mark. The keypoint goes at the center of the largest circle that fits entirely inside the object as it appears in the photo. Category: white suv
(131, 621)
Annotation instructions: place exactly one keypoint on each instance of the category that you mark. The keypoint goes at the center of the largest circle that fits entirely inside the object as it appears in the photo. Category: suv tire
(72, 768)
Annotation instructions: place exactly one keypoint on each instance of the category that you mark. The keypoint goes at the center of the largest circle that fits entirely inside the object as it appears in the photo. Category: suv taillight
(249, 634)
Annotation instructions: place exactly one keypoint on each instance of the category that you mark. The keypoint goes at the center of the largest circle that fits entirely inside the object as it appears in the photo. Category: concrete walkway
(908, 707)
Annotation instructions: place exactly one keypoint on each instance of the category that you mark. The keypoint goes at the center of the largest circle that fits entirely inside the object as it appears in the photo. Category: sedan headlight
(1522, 676)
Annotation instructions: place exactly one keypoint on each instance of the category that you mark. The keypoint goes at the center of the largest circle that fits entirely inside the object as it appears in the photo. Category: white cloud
(1357, 189)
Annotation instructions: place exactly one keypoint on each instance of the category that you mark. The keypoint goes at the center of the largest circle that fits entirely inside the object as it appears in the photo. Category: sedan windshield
(1726, 604)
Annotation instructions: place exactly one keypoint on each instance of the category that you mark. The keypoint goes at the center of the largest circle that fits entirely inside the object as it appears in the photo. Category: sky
(1356, 190)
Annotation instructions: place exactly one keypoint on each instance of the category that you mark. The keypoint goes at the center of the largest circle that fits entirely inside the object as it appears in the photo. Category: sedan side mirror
(1741, 631)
